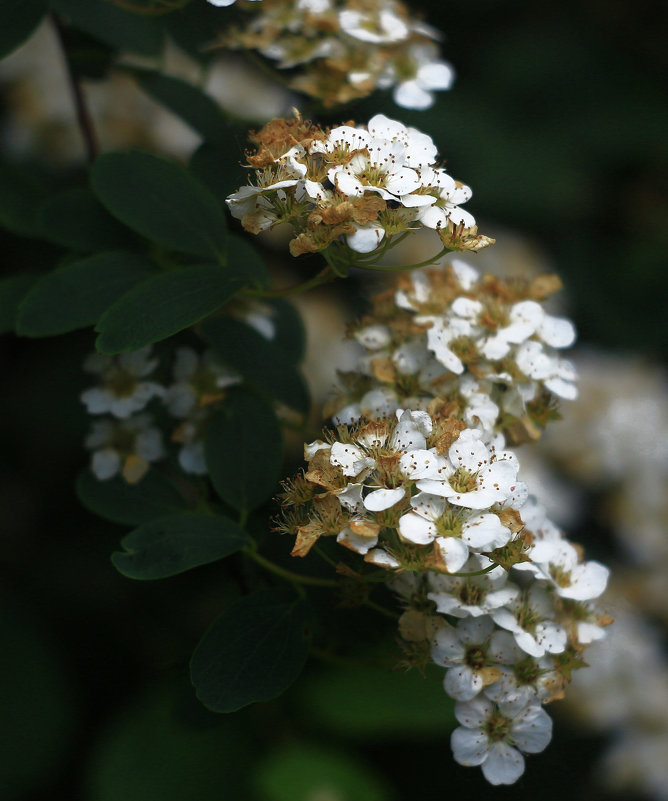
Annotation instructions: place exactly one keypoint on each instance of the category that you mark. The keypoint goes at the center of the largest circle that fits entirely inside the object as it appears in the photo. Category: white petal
(349, 458)
(105, 463)
(454, 552)
(447, 649)
(462, 683)
(532, 730)
(504, 764)
(355, 542)
(381, 499)
(475, 713)
(469, 746)
(365, 239)
(420, 463)
(486, 532)
(557, 331)
(411, 94)
(436, 75)
(415, 529)
(351, 498)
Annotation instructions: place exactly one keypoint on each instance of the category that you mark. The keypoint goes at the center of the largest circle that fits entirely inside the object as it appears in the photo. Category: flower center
(471, 594)
(562, 578)
(497, 727)
(463, 480)
(449, 524)
(527, 671)
(122, 384)
(475, 657)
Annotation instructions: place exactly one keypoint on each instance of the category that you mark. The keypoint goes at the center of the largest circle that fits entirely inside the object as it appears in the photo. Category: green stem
(323, 277)
(476, 573)
(288, 575)
(381, 610)
(402, 267)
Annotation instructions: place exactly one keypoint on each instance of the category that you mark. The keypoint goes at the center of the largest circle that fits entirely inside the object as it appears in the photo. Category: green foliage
(304, 772)
(37, 707)
(171, 545)
(75, 295)
(18, 19)
(129, 504)
(161, 201)
(194, 28)
(75, 219)
(163, 305)
(148, 752)
(219, 167)
(367, 702)
(190, 104)
(113, 24)
(12, 292)
(245, 262)
(290, 332)
(20, 195)
(260, 361)
(244, 450)
(253, 652)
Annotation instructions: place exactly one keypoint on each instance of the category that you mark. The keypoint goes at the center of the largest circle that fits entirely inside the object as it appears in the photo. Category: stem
(84, 118)
(476, 573)
(402, 267)
(295, 578)
(323, 277)
(381, 610)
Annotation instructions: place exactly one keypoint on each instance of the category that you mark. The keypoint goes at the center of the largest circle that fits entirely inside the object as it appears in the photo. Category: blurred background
(558, 121)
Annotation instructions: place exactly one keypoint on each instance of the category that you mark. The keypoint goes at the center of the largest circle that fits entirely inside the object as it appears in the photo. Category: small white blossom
(126, 447)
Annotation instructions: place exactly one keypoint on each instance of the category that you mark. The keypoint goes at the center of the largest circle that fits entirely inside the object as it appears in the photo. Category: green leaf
(18, 19)
(20, 195)
(219, 167)
(107, 21)
(192, 105)
(304, 772)
(193, 29)
(163, 305)
(171, 545)
(12, 292)
(161, 201)
(75, 219)
(146, 752)
(252, 652)
(245, 262)
(129, 504)
(290, 332)
(244, 450)
(353, 702)
(260, 361)
(74, 296)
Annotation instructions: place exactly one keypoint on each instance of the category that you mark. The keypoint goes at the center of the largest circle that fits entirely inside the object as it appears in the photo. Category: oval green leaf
(110, 23)
(18, 19)
(75, 219)
(190, 104)
(290, 332)
(12, 292)
(75, 295)
(244, 450)
(260, 361)
(129, 504)
(162, 201)
(253, 652)
(245, 262)
(163, 305)
(171, 545)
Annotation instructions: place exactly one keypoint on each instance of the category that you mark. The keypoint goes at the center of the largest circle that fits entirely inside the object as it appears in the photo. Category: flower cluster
(358, 187)
(493, 591)
(127, 441)
(345, 49)
(485, 345)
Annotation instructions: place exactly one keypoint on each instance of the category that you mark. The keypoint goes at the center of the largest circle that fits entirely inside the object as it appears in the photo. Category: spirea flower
(345, 49)
(122, 389)
(125, 446)
(349, 187)
(486, 345)
(500, 600)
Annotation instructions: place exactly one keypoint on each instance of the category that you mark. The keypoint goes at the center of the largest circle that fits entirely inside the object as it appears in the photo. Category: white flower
(529, 617)
(351, 459)
(474, 477)
(558, 562)
(463, 649)
(198, 381)
(449, 194)
(474, 595)
(125, 447)
(122, 392)
(430, 75)
(383, 27)
(493, 736)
